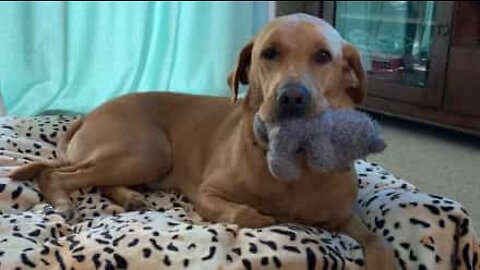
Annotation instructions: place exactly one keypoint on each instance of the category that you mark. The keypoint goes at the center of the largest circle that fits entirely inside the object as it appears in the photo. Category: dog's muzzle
(293, 100)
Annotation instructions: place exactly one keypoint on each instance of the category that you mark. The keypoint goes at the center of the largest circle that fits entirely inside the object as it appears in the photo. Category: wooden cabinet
(462, 93)
(422, 57)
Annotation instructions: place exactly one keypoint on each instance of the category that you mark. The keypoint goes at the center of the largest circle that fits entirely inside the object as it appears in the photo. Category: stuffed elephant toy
(330, 141)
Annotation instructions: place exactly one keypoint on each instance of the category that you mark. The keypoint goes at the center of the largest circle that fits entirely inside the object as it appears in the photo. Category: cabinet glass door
(402, 44)
(394, 36)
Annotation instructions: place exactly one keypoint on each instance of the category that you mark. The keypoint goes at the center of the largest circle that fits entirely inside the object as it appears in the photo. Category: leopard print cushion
(426, 230)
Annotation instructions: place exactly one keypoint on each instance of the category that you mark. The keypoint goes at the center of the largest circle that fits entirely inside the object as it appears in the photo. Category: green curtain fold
(76, 55)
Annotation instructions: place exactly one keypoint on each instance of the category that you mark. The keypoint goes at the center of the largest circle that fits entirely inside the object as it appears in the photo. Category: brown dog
(204, 147)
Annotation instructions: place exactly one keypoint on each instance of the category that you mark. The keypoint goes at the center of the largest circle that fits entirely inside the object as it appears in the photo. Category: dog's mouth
(293, 102)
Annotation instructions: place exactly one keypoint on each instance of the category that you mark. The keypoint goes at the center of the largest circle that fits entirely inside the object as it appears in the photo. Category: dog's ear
(240, 73)
(354, 76)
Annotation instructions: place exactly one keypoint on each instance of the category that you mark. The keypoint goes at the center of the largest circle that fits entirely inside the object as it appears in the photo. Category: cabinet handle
(443, 30)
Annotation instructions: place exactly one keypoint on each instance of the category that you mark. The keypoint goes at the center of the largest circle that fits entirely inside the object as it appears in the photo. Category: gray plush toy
(330, 141)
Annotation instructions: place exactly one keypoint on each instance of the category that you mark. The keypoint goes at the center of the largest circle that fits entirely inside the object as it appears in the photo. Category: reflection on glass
(395, 37)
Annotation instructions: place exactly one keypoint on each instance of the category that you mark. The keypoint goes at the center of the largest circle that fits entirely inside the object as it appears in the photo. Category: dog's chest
(315, 201)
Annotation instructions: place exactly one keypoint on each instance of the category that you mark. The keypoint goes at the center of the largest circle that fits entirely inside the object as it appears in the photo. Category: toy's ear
(260, 131)
(354, 76)
(240, 72)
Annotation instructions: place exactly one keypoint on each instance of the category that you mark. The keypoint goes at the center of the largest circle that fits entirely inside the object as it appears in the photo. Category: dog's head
(297, 66)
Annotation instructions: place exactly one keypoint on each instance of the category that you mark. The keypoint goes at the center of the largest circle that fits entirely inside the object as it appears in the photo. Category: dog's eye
(322, 56)
(270, 53)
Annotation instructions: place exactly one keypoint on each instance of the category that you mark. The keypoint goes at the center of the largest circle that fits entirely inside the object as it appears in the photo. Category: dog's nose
(293, 100)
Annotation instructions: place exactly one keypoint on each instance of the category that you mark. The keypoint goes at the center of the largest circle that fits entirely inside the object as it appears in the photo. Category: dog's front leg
(378, 254)
(213, 206)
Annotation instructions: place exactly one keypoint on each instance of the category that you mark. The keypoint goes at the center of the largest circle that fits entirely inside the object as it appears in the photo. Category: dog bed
(426, 230)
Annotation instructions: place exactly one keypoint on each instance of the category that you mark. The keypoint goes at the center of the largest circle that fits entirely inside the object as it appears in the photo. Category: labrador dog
(204, 147)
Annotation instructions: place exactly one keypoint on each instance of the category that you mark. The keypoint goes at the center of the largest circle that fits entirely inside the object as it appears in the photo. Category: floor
(435, 160)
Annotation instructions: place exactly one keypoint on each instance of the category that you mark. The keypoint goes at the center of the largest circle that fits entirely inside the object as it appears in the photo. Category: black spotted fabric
(427, 231)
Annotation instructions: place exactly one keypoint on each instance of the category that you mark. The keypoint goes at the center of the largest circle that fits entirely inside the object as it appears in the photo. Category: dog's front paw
(379, 255)
(248, 217)
(136, 203)
(65, 209)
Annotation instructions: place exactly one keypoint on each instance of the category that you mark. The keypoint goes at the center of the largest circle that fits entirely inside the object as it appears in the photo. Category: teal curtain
(76, 55)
